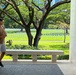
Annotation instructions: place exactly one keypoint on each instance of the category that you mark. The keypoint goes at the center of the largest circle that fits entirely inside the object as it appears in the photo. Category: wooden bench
(34, 53)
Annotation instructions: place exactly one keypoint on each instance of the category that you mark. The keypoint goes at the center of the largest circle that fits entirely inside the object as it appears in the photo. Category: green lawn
(51, 39)
(47, 35)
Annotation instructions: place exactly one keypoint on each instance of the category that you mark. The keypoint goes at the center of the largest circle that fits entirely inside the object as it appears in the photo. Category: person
(2, 42)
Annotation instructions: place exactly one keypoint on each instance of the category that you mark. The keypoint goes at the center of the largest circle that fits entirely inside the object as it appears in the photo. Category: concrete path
(30, 69)
(39, 68)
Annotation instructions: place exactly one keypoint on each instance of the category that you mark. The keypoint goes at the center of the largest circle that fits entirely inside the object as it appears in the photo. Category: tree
(64, 16)
(3, 6)
(60, 13)
(33, 11)
(64, 26)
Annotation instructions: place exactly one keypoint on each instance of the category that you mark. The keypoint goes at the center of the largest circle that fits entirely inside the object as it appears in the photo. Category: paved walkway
(25, 68)
(68, 69)
(31, 69)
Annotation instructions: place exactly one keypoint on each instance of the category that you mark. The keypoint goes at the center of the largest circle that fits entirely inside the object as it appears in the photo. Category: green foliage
(8, 23)
(60, 13)
(50, 26)
(63, 57)
(19, 46)
(24, 56)
(50, 46)
(54, 46)
(52, 39)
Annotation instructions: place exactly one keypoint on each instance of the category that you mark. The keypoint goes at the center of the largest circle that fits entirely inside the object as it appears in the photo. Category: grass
(7, 57)
(50, 40)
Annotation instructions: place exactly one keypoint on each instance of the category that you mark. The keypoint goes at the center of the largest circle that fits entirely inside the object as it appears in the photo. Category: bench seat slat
(52, 52)
(34, 53)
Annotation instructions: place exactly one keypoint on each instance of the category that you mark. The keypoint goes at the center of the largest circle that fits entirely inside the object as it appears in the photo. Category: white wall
(73, 32)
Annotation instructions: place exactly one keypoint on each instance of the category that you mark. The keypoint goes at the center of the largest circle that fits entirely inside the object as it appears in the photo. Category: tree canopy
(36, 15)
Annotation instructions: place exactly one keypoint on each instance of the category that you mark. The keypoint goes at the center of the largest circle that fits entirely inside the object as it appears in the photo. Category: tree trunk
(67, 31)
(64, 35)
(21, 29)
(30, 40)
(36, 39)
(29, 35)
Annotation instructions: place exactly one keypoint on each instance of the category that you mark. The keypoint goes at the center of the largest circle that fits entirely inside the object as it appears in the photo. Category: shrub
(63, 57)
